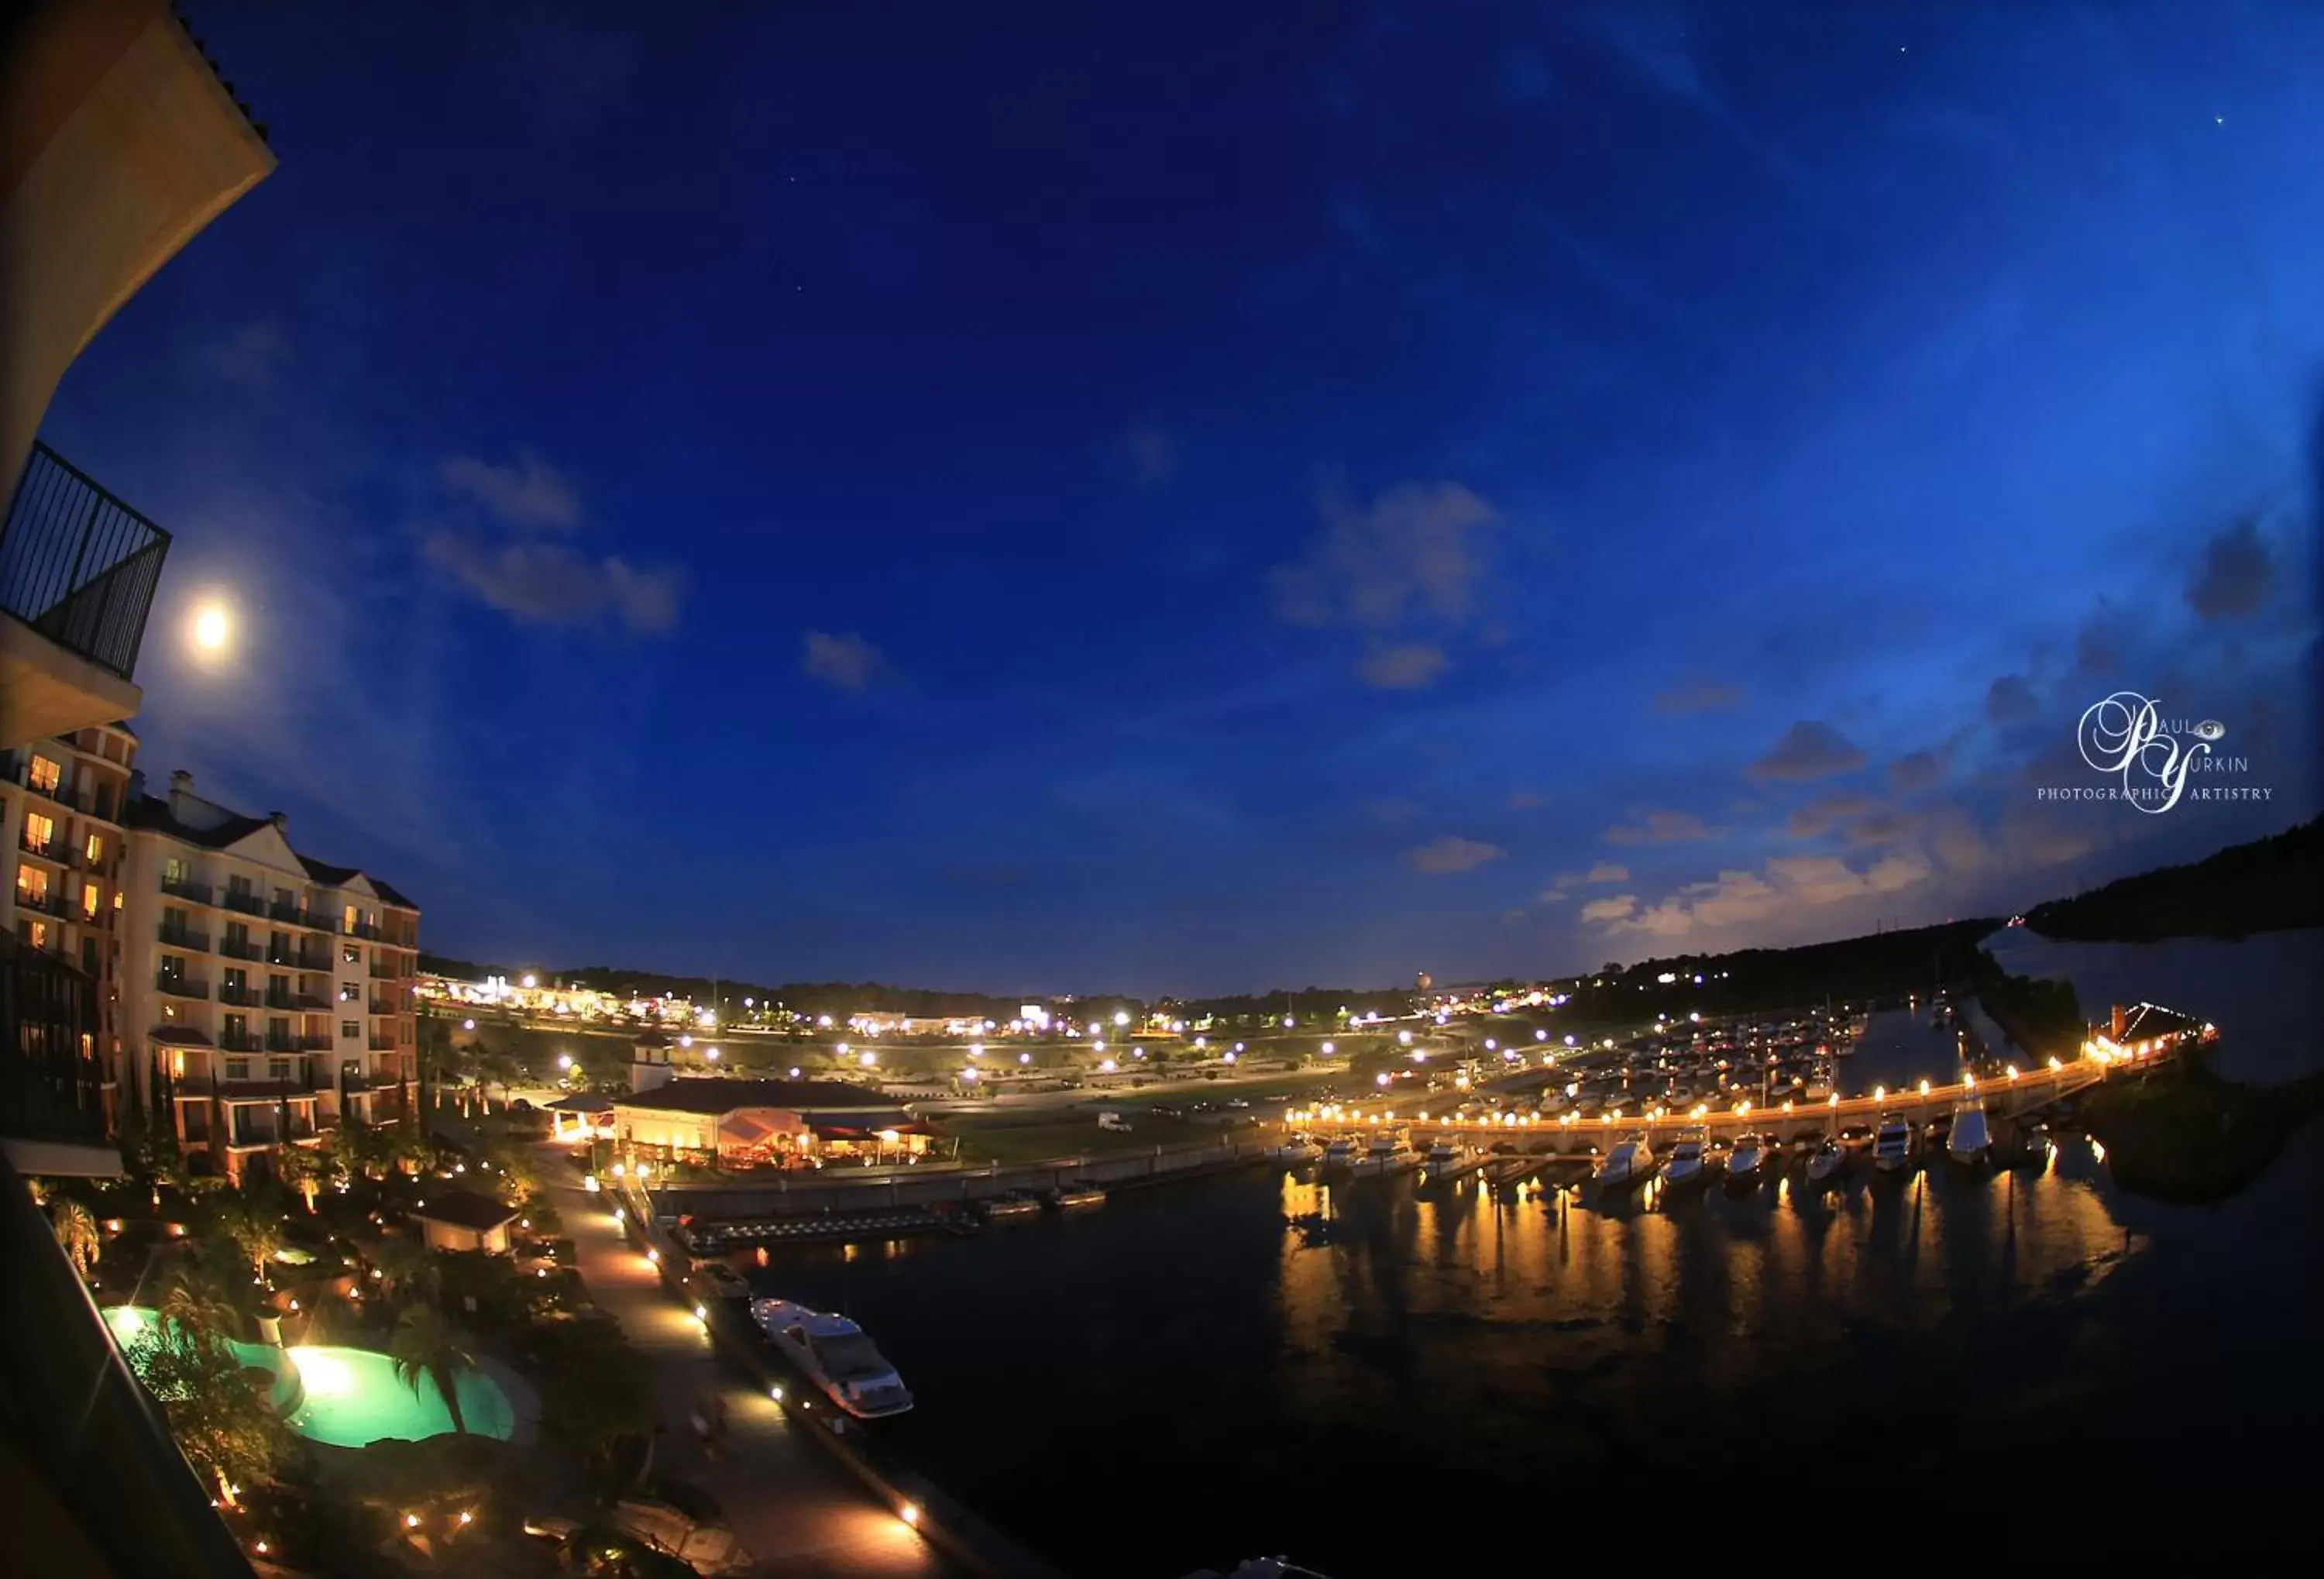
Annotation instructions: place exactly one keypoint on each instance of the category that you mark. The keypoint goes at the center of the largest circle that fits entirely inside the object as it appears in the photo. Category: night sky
(1045, 498)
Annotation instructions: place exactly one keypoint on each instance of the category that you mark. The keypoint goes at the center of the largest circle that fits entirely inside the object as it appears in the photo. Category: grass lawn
(1006, 1138)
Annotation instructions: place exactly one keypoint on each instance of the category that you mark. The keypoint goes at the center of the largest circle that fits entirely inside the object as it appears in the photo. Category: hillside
(2268, 885)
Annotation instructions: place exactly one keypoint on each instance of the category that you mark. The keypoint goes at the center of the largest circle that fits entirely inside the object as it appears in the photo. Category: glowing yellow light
(211, 627)
(909, 1514)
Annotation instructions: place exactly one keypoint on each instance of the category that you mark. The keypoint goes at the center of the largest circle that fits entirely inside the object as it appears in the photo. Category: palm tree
(427, 1347)
(407, 1269)
(196, 1310)
(256, 1232)
(77, 1233)
(304, 1169)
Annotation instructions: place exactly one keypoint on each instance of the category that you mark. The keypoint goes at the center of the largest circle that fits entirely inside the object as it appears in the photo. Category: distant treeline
(1882, 964)
(2265, 886)
(2042, 1016)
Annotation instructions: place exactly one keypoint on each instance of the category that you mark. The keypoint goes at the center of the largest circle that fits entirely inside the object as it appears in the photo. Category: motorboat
(1747, 1162)
(1076, 1197)
(1297, 1152)
(1340, 1154)
(838, 1356)
(1893, 1150)
(1444, 1156)
(1972, 1139)
(1828, 1162)
(1685, 1164)
(716, 1280)
(1016, 1204)
(1628, 1163)
(1387, 1154)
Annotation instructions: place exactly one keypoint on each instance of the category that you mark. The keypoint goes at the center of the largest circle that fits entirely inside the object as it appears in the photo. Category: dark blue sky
(1048, 498)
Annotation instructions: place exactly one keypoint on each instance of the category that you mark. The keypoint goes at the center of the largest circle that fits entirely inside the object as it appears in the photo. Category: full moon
(211, 628)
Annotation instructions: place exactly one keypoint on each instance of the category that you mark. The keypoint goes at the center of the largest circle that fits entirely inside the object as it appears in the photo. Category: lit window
(91, 899)
(95, 849)
(116, 899)
(44, 775)
(38, 830)
(350, 954)
(32, 885)
(177, 1064)
(38, 936)
(173, 871)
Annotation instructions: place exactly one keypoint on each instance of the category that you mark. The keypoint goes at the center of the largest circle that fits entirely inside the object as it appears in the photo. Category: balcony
(385, 972)
(77, 569)
(242, 900)
(316, 1044)
(52, 903)
(293, 916)
(318, 962)
(56, 847)
(183, 888)
(241, 997)
(241, 1041)
(383, 1044)
(182, 986)
(364, 929)
(51, 1097)
(17, 769)
(385, 1006)
(241, 948)
(186, 938)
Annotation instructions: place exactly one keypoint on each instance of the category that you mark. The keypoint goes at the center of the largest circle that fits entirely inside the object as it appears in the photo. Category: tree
(358, 1148)
(76, 1230)
(197, 1309)
(595, 1393)
(427, 1347)
(407, 1269)
(305, 1169)
(229, 1434)
(254, 1231)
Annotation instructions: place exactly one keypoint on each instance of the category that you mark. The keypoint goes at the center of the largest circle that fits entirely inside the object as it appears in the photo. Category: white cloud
(526, 493)
(846, 661)
(1414, 553)
(1452, 854)
(551, 585)
(1660, 827)
(1408, 666)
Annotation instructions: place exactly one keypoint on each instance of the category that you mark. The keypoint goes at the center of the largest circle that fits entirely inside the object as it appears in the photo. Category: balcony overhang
(62, 1158)
(46, 689)
(120, 145)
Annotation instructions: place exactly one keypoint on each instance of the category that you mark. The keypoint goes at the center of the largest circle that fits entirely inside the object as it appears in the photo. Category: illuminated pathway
(800, 1514)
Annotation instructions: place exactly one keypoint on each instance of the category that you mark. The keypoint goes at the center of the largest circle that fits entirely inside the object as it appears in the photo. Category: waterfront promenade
(799, 1513)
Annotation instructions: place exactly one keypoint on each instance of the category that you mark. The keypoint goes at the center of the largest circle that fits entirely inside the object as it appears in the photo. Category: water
(2034, 1366)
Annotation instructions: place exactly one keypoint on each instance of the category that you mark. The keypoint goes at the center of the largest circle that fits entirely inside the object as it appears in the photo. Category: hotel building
(60, 808)
(267, 994)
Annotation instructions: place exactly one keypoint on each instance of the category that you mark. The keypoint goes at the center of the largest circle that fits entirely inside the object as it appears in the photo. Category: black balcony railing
(52, 903)
(241, 997)
(312, 962)
(78, 565)
(185, 937)
(182, 986)
(186, 889)
(48, 1091)
(243, 901)
(291, 915)
(240, 948)
(242, 1041)
(55, 847)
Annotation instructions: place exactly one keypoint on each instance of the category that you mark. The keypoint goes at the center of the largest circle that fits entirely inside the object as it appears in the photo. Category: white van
(1107, 1119)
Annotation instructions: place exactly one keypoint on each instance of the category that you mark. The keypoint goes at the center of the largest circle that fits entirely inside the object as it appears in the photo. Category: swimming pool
(351, 1396)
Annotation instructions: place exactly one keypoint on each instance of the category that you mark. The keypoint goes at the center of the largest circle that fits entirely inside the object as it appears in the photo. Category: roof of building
(581, 1103)
(466, 1209)
(721, 1096)
(267, 1090)
(2149, 1019)
(153, 811)
(179, 1036)
(831, 1126)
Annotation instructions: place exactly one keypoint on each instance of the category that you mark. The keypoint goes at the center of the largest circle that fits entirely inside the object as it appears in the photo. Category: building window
(238, 1069)
(278, 986)
(116, 899)
(237, 1028)
(348, 920)
(38, 830)
(350, 954)
(239, 887)
(351, 991)
(237, 980)
(173, 871)
(278, 1068)
(44, 775)
(95, 849)
(350, 1028)
(173, 970)
(32, 885)
(177, 1063)
(36, 933)
(92, 899)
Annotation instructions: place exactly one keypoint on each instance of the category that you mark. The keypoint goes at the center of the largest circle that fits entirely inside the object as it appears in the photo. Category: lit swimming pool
(351, 1397)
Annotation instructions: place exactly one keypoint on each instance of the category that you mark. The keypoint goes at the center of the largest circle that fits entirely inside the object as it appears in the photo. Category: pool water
(352, 1396)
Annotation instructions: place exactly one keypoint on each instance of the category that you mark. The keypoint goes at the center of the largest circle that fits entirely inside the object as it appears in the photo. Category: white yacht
(1892, 1148)
(1297, 1152)
(1339, 1154)
(1444, 1156)
(1630, 1161)
(1749, 1160)
(1827, 1161)
(836, 1354)
(1686, 1164)
(1387, 1154)
(1971, 1137)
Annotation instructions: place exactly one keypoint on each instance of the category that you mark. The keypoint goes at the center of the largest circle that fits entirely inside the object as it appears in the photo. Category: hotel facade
(266, 995)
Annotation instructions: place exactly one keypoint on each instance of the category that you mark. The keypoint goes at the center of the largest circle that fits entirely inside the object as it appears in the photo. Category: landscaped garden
(356, 1401)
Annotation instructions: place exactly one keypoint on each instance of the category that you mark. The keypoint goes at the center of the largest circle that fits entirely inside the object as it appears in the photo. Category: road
(800, 1514)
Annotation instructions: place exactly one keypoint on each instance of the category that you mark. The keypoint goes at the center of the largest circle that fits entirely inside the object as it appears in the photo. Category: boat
(1630, 1161)
(838, 1356)
(1685, 1164)
(1892, 1147)
(1016, 1203)
(1340, 1154)
(1387, 1154)
(1297, 1152)
(1074, 1197)
(1828, 1162)
(716, 1280)
(1749, 1160)
(1972, 1139)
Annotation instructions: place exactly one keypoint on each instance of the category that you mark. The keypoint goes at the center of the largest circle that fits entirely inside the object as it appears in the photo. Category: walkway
(801, 1515)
